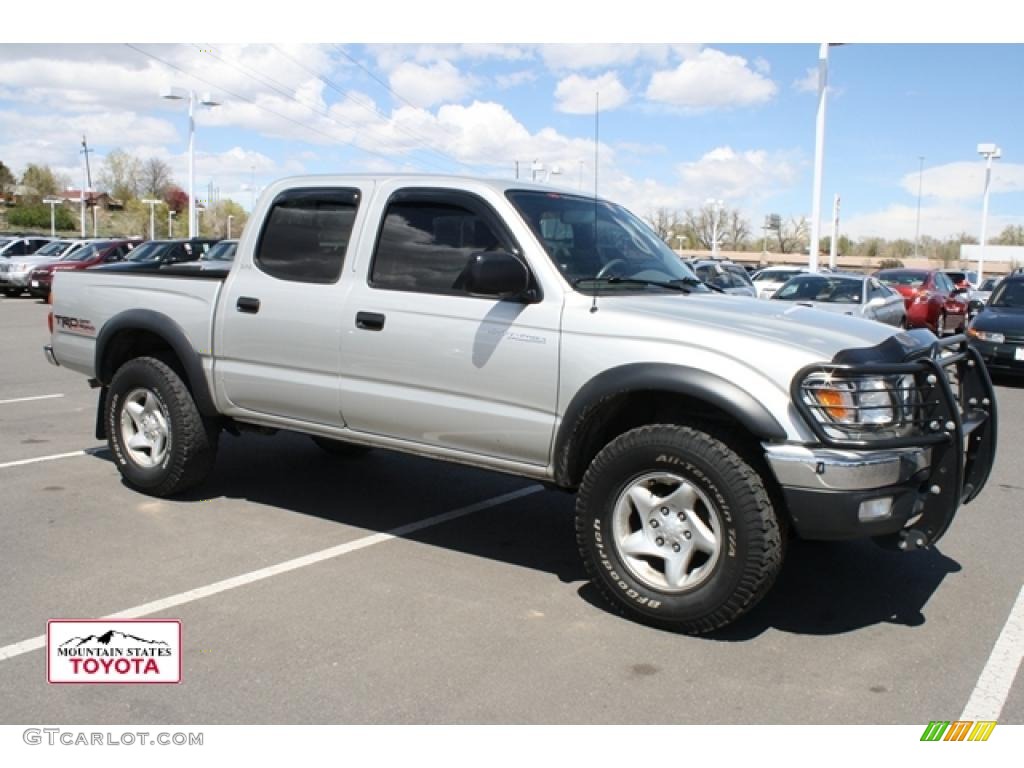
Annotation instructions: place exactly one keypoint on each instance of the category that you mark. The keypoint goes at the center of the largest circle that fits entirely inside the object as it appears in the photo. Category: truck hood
(775, 338)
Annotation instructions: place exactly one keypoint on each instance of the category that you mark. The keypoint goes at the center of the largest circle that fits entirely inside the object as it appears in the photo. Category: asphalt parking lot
(483, 616)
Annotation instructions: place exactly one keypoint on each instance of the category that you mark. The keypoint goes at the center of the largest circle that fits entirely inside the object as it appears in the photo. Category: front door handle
(370, 321)
(248, 304)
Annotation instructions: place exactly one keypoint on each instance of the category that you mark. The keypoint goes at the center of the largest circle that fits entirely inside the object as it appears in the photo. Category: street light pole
(170, 223)
(52, 201)
(716, 207)
(819, 155)
(152, 213)
(206, 101)
(920, 178)
(230, 217)
(990, 152)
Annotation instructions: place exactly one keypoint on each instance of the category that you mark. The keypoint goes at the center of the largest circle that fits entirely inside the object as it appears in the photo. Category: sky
(679, 123)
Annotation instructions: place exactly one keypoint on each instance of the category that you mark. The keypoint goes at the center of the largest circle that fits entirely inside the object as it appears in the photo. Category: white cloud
(940, 221)
(809, 82)
(711, 79)
(430, 85)
(575, 94)
(733, 176)
(513, 79)
(965, 180)
(562, 57)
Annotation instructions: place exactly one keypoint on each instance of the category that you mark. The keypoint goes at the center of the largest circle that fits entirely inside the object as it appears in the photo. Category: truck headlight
(855, 404)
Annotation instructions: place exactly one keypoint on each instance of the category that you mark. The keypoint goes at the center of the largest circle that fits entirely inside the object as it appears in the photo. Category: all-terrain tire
(659, 487)
(148, 398)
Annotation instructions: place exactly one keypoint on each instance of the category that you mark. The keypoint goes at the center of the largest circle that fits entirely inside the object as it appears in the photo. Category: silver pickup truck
(548, 335)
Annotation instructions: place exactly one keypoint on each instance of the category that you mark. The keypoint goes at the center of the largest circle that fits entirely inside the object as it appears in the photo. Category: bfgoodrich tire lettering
(161, 444)
(676, 529)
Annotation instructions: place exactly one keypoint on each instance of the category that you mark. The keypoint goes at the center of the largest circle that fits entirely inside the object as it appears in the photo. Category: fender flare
(658, 377)
(164, 327)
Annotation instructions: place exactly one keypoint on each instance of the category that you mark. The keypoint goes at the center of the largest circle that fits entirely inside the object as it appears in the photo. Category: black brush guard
(952, 410)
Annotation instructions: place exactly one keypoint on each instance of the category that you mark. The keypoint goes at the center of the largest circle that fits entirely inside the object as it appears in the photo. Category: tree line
(694, 229)
(129, 180)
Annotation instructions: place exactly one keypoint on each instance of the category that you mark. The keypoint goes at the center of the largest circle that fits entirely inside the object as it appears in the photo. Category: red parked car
(100, 252)
(932, 301)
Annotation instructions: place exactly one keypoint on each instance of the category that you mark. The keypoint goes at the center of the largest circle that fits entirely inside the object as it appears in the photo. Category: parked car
(770, 279)
(725, 275)
(962, 278)
(482, 321)
(219, 257)
(89, 255)
(154, 254)
(976, 299)
(931, 299)
(998, 330)
(20, 256)
(858, 295)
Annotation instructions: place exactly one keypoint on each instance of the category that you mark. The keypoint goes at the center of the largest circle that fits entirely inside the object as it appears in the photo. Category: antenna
(597, 127)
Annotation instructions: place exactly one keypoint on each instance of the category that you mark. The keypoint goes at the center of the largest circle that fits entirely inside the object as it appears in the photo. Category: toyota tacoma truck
(553, 336)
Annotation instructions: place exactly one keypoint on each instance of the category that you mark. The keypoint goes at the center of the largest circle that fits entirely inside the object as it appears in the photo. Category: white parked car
(770, 279)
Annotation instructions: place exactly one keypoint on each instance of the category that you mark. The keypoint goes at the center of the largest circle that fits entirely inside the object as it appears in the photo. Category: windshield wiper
(680, 285)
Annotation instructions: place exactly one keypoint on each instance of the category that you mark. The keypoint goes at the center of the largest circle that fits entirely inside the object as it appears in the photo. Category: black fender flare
(164, 327)
(658, 377)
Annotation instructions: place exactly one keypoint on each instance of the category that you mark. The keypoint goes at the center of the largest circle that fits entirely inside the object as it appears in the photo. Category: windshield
(989, 284)
(150, 251)
(904, 279)
(776, 275)
(86, 252)
(595, 240)
(1009, 295)
(829, 290)
(222, 251)
(54, 248)
(723, 275)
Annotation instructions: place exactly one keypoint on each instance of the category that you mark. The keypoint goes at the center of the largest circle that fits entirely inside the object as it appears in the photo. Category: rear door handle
(370, 321)
(248, 304)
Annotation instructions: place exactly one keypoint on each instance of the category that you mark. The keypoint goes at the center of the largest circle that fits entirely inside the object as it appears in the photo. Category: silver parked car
(858, 295)
(725, 275)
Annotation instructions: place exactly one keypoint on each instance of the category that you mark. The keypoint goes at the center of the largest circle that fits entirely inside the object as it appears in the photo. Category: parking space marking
(146, 609)
(55, 456)
(26, 399)
(997, 677)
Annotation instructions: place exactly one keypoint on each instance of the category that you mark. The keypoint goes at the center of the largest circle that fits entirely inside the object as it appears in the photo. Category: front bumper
(905, 491)
(1006, 357)
(14, 279)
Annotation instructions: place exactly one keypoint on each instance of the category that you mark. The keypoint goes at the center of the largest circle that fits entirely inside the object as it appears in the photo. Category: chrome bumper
(827, 469)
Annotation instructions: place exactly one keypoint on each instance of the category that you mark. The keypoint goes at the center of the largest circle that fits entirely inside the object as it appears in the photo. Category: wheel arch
(629, 396)
(141, 332)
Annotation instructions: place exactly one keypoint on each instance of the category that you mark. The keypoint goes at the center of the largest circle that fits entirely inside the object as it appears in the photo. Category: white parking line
(26, 399)
(146, 609)
(54, 457)
(997, 677)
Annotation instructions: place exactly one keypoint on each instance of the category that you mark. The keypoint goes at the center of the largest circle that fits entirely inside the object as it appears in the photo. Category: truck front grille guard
(950, 407)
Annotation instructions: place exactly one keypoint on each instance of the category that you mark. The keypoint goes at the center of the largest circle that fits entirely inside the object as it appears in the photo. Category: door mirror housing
(876, 302)
(498, 275)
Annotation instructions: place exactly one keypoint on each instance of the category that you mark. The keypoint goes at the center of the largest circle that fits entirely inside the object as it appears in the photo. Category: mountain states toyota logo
(123, 651)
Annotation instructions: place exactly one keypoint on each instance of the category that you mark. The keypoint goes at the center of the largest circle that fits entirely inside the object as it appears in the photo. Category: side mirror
(876, 302)
(497, 274)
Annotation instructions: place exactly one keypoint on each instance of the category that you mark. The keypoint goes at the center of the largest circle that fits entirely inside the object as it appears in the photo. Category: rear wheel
(676, 529)
(161, 443)
(12, 293)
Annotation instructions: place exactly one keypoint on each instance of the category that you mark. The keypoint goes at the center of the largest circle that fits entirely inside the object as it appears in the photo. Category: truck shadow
(825, 588)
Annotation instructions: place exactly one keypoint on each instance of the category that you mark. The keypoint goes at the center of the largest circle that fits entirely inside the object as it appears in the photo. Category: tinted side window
(306, 235)
(424, 246)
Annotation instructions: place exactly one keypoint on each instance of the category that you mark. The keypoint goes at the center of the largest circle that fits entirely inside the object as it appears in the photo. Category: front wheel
(161, 443)
(676, 529)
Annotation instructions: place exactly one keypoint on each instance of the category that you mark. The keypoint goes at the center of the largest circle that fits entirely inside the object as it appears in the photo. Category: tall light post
(716, 208)
(52, 201)
(990, 152)
(230, 217)
(819, 155)
(170, 223)
(152, 212)
(920, 179)
(176, 94)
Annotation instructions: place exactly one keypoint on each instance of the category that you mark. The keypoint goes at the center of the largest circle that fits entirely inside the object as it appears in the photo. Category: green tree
(119, 175)
(7, 180)
(663, 221)
(1011, 236)
(155, 177)
(214, 221)
(39, 181)
(38, 217)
